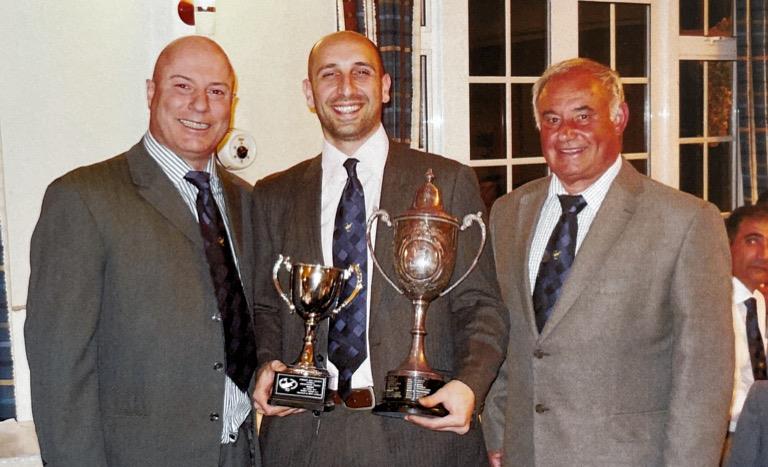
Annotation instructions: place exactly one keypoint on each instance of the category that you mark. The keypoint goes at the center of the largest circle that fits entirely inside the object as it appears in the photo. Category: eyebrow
(336, 65)
(187, 78)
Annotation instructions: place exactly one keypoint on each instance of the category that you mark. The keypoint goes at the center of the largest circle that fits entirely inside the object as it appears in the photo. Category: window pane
(522, 174)
(493, 183)
(528, 37)
(594, 31)
(525, 136)
(692, 169)
(486, 121)
(631, 40)
(692, 17)
(720, 18)
(691, 98)
(719, 97)
(641, 165)
(634, 135)
(486, 38)
(719, 164)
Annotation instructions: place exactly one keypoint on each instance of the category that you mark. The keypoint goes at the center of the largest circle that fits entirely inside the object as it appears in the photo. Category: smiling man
(304, 213)
(139, 354)
(747, 229)
(620, 349)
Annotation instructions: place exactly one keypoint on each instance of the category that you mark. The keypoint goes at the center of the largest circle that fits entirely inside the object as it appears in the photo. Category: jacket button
(216, 317)
(540, 408)
(214, 416)
(218, 366)
(320, 358)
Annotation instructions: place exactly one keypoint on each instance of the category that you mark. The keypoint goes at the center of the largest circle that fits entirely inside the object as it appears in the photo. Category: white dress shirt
(551, 211)
(742, 374)
(370, 170)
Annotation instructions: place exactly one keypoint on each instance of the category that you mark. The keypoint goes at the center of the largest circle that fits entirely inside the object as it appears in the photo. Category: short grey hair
(608, 77)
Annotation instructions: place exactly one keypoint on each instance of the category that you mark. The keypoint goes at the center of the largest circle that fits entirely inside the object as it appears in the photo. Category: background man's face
(749, 252)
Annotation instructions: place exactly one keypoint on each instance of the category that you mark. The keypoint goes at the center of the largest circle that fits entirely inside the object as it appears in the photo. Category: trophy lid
(427, 201)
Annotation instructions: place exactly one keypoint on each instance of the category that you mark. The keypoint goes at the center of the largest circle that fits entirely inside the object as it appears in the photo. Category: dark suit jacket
(119, 335)
(467, 329)
(749, 446)
(635, 365)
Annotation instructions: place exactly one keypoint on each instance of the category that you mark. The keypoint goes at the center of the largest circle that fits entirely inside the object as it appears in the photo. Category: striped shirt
(550, 213)
(237, 404)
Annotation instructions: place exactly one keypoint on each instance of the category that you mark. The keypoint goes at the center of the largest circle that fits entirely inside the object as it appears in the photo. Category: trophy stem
(307, 357)
(417, 359)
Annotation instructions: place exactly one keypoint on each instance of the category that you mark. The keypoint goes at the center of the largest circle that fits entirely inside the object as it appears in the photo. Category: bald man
(129, 335)
(346, 87)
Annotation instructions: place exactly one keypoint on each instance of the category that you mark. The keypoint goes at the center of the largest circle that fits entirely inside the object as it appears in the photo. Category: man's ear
(150, 92)
(307, 88)
(621, 118)
(386, 83)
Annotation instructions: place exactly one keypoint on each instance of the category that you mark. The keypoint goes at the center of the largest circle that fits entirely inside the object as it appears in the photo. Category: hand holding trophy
(424, 247)
(315, 292)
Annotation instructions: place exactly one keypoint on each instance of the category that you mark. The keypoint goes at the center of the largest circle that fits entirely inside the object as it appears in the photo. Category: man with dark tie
(139, 334)
(315, 213)
(620, 351)
(747, 229)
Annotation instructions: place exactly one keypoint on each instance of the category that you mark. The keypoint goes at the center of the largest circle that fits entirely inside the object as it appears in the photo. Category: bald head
(350, 38)
(190, 98)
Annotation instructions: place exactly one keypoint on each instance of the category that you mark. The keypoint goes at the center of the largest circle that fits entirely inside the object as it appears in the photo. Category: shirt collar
(595, 193)
(372, 156)
(174, 167)
(741, 292)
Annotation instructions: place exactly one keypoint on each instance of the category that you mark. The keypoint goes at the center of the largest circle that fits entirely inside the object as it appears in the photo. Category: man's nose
(199, 101)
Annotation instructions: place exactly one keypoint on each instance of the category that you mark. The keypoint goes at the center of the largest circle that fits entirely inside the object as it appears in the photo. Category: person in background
(620, 351)
(139, 334)
(298, 214)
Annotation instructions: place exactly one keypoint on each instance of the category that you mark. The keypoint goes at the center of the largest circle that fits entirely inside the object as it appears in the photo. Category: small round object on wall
(238, 151)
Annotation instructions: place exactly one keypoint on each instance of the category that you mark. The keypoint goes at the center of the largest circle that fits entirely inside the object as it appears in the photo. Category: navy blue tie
(346, 337)
(557, 259)
(755, 341)
(239, 341)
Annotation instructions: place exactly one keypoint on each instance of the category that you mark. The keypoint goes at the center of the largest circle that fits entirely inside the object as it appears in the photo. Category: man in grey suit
(621, 347)
(296, 211)
(133, 356)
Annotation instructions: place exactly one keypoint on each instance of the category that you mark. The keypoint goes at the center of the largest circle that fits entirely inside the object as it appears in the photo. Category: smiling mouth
(191, 124)
(346, 108)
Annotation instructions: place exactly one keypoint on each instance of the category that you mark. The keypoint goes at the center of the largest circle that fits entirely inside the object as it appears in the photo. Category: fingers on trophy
(314, 293)
(424, 246)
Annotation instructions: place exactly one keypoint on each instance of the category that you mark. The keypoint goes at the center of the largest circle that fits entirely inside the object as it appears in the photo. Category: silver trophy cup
(424, 247)
(315, 294)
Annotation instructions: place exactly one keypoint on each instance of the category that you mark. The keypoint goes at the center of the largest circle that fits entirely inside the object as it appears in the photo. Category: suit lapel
(530, 207)
(307, 211)
(159, 192)
(610, 223)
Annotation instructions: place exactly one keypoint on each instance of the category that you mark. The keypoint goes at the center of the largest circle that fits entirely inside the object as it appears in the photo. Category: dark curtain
(394, 36)
(7, 396)
(751, 25)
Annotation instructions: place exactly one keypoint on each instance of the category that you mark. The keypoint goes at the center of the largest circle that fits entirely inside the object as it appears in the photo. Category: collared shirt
(551, 210)
(370, 170)
(742, 374)
(237, 404)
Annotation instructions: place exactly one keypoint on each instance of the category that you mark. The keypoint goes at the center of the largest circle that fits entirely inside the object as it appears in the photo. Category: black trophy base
(299, 390)
(402, 394)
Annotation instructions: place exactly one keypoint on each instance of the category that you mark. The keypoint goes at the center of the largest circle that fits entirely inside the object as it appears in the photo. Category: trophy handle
(352, 268)
(282, 260)
(468, 220)
(384, 217)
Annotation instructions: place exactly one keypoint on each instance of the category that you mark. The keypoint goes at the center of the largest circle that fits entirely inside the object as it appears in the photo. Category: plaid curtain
(7, 396)
(389, 23)
(752, 71)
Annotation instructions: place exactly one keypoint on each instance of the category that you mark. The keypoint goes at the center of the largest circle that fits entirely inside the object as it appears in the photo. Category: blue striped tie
(346, 337)
(755, 340)
(557, 259)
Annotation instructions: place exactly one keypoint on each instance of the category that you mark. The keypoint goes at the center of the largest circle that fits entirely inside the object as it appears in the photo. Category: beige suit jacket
(635, 365)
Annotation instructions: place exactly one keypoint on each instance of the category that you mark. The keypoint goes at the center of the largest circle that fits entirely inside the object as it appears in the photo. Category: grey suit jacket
(635, 365)
(750, 442)
(119, 335)
(467, 329)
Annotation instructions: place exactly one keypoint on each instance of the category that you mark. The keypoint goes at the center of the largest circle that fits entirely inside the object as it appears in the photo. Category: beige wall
(72, 93)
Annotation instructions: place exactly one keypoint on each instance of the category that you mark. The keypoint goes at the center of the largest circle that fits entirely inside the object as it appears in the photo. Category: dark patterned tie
(755, 341)
(557, 259)
(238, 331)
(346, 337)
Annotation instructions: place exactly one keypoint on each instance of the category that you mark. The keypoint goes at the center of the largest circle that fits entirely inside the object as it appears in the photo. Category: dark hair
(749, 211)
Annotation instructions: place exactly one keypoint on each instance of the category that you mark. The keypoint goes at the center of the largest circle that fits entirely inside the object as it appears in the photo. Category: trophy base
(300, 390)
(402, 394)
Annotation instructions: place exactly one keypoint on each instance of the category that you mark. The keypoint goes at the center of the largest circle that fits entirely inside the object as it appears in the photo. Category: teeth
(194, 125)
(346, 109)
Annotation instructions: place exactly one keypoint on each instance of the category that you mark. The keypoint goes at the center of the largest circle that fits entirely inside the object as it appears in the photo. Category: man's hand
(264, 380)
(494, 458)
(458, 399)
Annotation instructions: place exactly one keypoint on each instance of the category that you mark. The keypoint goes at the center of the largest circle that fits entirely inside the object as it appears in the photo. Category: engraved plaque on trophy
(424, 248)
(315, 294)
